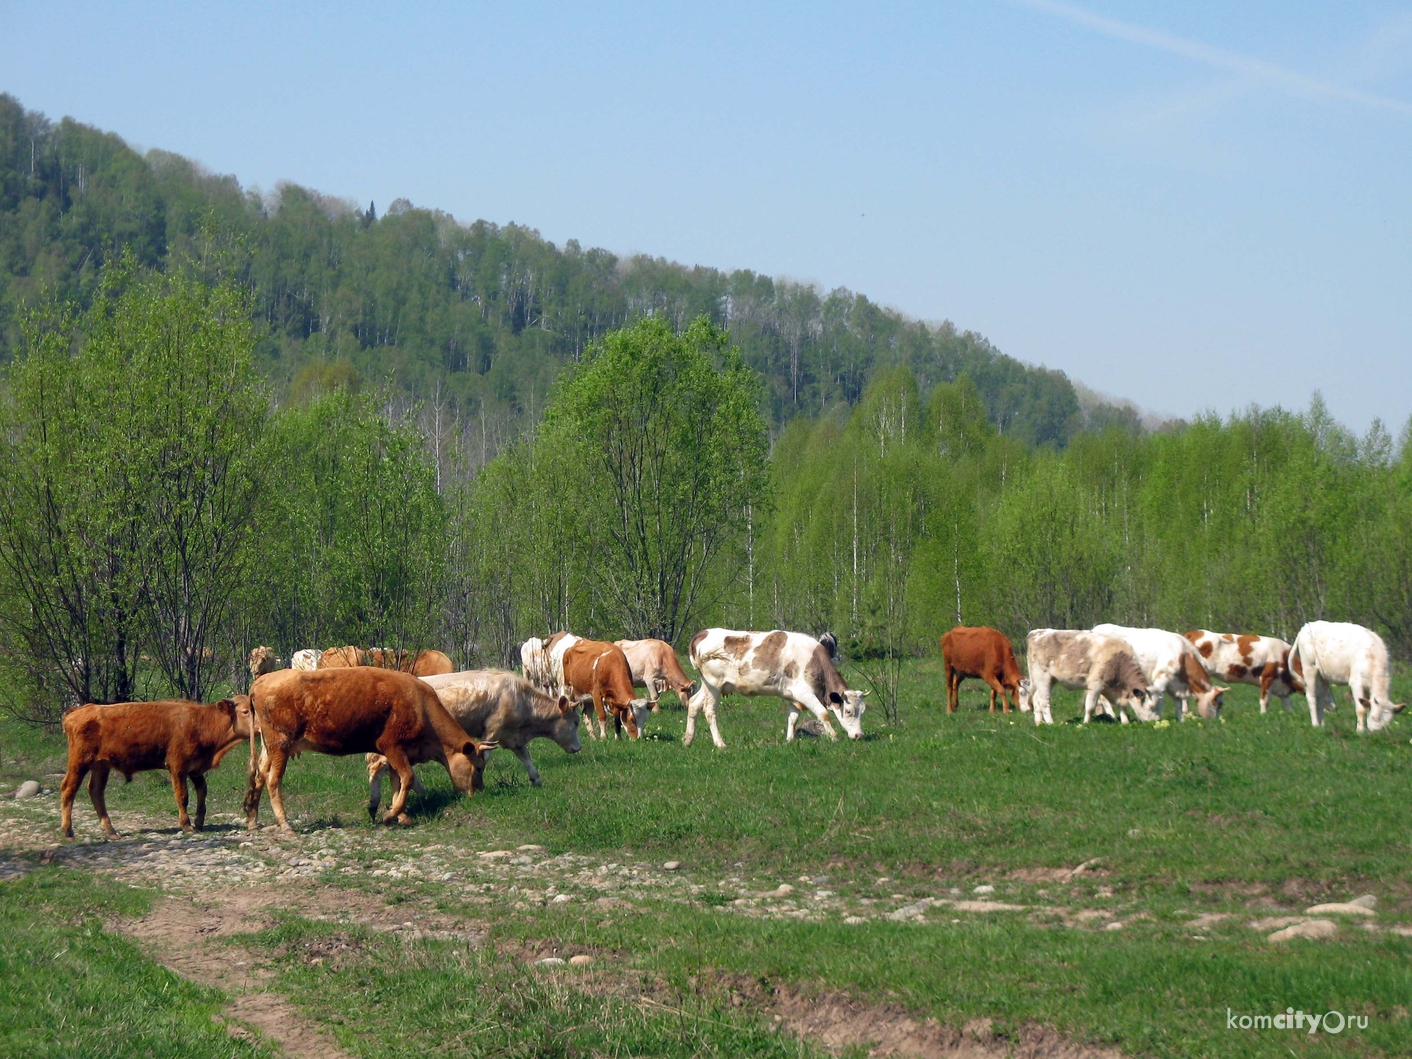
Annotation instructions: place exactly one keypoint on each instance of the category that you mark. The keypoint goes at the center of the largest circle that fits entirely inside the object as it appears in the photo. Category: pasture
(825, 894)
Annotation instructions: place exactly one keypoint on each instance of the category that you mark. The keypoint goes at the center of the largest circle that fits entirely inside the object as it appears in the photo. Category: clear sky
(1193, 205)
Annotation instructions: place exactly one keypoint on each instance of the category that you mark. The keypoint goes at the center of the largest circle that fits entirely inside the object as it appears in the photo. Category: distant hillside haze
(480, 315)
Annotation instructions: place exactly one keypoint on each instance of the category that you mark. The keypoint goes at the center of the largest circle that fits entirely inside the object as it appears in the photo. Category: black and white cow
(791, 665)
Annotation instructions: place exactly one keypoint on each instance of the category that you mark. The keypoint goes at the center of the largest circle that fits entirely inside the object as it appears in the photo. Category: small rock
(529, 848)
(784, 889)
(853, 921)
(1367, 901)
(581, 960)
(984, 889)
(560, 899)
(27, 789)
(910, 911)
(1134, 832)
(1340, 908)
(823, 895)
(672, 865)
(1310, 928)
(882, 880)
(550, 961)
(1114, 926)
(494, 854)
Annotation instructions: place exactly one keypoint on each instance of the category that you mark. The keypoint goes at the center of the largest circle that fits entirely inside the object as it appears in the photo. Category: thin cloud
(1270, 73)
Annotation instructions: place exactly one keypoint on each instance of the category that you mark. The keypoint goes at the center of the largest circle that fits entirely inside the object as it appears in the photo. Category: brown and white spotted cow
(791, 665)
(655, 667)
(1261, 661)
(1088, 662)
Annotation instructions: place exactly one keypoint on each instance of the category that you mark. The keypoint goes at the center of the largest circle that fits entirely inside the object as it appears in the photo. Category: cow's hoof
(188, 828)
(404, 820)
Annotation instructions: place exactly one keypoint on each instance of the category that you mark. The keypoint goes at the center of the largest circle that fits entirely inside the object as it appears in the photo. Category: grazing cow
(307, 659)
(978, 651)
(1172, 667)
(262, 661)
(535, 663)
(791, 665)
(1339, 652)
(655, 667)
(501, 707)
(599, 670)
(1096, 664)
(357, 710)
(341, 658)
(1261, 661)
(185, 738)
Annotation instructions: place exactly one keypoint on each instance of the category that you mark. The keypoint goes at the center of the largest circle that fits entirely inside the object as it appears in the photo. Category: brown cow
(262, 661)
(978, 651)
(341, 658)
(599, 670)
(360, 710)
(655, 667)
(185, 738)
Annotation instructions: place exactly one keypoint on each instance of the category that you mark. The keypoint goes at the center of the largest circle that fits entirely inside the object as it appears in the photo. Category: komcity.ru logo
(1289, 1019)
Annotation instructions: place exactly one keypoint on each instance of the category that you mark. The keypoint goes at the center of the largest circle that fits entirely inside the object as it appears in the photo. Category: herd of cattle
(400, 709)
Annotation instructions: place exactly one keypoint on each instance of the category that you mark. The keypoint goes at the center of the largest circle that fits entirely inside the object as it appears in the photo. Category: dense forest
(337, 428)
(477, 317)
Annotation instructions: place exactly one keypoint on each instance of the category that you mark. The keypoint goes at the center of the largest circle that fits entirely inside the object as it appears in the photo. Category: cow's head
(1138, 699)
(1379, 714)
(1022, 695)
(848, 707)
(467, 765)
(1208, 702)
(566, 728)
(242, 717)
(636, 717)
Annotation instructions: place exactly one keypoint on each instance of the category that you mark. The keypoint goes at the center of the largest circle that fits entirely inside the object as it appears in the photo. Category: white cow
(1172, 667)
(533, 659)
(1083, 661)
(306, 659)
(1260, 661)
(1339, 652)
(554, 649)
(791, 665)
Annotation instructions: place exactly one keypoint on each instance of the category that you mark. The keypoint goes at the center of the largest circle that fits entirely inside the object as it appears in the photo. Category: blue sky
(1195, 206)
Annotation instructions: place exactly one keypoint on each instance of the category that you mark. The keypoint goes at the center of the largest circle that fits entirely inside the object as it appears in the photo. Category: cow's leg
(377, 767)
(1090, 704)
(522, 752)
(654, 691)
(67, 791)
(198, 780)
(97, 784)
(1361, 702)
(601, 714)
(1039, 697)
(398, 763)
(711, 704)
(1313, 692)
(815, 707)
(792, 720)
(951, 693)
(1267, 677)
(997, 688)
(274, 759)
(694, 706)
(179, 792)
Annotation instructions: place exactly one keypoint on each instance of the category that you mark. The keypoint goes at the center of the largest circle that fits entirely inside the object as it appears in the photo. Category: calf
(978, 651)
(185, 738)
(1087, 661)
(1338, 652)
(358, 710)
(501, 707)
(1261, 661)
(1172, 667)
(655, 667)
(792, 665)
(599, 670)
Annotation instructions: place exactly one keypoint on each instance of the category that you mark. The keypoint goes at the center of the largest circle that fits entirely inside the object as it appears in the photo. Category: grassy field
(1248, 817)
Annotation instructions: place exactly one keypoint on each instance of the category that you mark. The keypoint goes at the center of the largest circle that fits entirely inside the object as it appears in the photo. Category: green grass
(70, 988)
(1231, 816)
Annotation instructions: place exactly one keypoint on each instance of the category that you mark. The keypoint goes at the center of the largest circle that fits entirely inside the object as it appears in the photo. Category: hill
(480, 315)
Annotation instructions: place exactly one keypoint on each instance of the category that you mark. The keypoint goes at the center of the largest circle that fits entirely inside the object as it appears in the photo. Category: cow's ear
(836, 698)
(565, 706)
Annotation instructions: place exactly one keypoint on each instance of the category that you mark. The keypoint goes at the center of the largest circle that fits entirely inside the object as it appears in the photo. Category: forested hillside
(477, 317)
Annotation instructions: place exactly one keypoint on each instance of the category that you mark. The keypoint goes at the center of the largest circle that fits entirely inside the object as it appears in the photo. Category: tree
(666, 436)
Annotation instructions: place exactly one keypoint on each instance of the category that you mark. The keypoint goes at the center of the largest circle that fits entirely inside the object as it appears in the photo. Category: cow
(420, 664)
(554, 647)
(188, 739)
(306, 659)
(341, 658)
(1087, 661)
(978, 651)
(791, 665)
(535, 663)
(1172, 667)
(262, 661)
(598, 670)
(356, 710)
(655, 667)
(1339, 652)
(501, 707)
(1261, 661)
